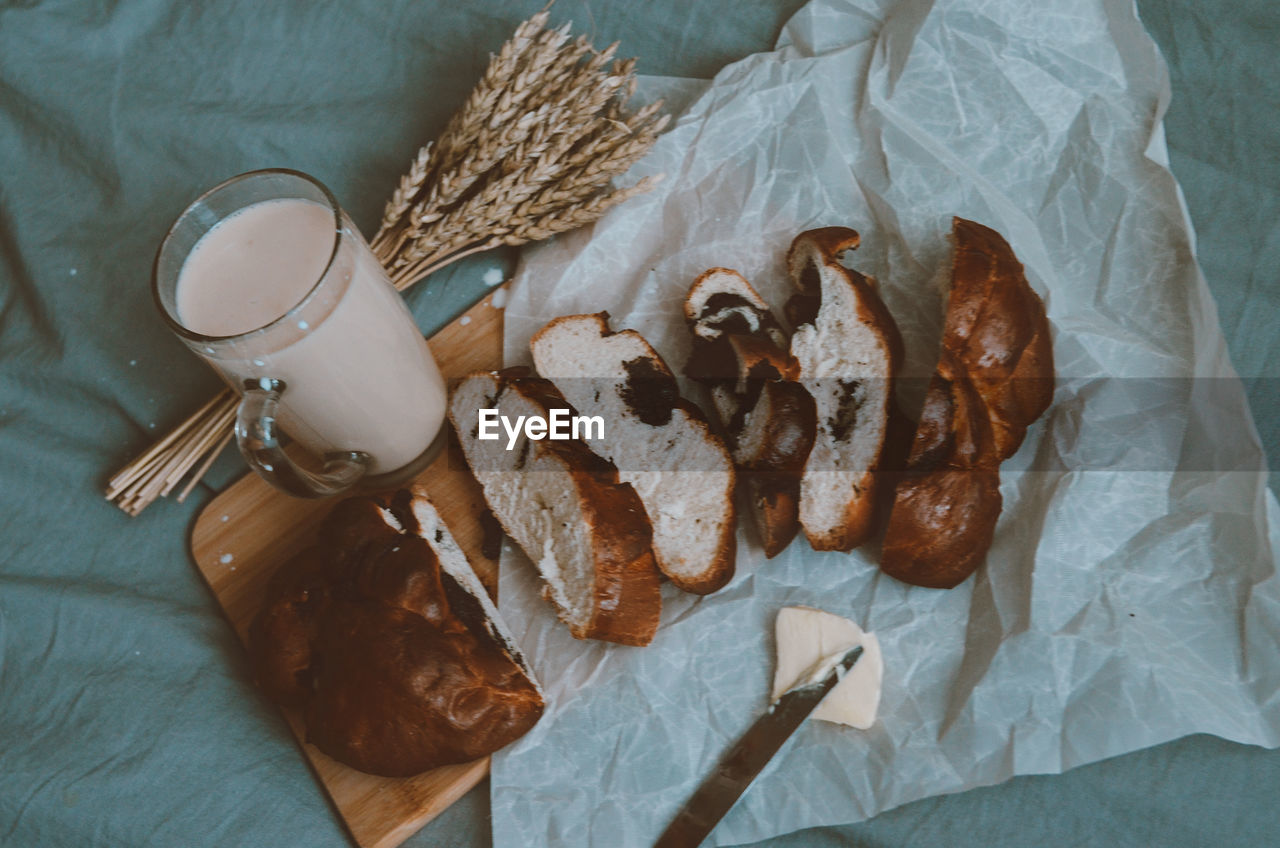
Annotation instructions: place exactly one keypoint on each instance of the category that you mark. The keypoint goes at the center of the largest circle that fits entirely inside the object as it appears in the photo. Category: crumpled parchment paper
(1130, 595)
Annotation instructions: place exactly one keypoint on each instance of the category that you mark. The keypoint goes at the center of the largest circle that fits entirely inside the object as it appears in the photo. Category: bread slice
(413, 511)
(740, 354)
(848, 350)
(994, 378)
(660, 443)
(584, 529)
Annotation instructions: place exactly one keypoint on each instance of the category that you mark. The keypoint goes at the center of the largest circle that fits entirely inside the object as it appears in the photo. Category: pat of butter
(806, 638)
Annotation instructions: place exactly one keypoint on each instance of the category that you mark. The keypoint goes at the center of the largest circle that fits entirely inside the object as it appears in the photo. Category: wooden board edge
(459, 786)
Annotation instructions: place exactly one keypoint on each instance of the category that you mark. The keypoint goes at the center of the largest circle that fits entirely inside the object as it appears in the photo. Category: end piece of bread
(996, 330)
(660, 442)
(584, 529)
(946, 504)
(740, 354)
(994, 378)
(387, 643)
(848, 349)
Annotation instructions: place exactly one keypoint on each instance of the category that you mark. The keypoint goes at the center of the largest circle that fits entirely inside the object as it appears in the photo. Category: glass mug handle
(259, 443)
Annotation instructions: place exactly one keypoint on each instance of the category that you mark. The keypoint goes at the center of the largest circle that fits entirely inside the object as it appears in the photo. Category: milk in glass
(357, 373)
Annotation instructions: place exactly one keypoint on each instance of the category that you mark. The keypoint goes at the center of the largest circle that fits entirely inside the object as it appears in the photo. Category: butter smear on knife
(809, 638)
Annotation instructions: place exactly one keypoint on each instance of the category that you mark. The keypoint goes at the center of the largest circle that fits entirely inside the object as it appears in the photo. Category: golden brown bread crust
(747, 364)
(941, 526)
(381, 650)
(628, 596)
(946, 504)
(858, 524)
(830, 241)
(994, 378)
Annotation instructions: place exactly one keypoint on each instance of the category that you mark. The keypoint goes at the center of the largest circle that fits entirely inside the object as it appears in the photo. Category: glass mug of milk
(267, 280)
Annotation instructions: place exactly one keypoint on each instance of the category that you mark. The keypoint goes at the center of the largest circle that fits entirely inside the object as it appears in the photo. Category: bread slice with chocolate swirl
(585, 530)
(740, 354)
(660, 442)
(848, 350)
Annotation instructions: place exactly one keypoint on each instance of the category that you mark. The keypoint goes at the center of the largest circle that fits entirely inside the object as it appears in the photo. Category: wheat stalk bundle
(531, 153)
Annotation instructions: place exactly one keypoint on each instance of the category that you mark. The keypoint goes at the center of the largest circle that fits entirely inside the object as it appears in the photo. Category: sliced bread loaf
(848, 349)
(584, 528)
(740, 354)
(660, 443)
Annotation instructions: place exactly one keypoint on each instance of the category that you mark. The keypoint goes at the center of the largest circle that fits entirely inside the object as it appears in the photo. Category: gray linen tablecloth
(126, 714)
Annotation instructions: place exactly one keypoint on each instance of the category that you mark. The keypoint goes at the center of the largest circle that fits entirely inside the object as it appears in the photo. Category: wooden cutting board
(251, 528)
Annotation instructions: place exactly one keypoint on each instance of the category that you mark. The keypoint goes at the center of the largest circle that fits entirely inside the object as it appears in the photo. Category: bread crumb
(225, 558)
(492, 277)
(226, 518)
(466, 319)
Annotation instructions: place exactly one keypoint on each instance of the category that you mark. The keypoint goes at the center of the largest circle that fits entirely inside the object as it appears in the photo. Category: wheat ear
(532, 152)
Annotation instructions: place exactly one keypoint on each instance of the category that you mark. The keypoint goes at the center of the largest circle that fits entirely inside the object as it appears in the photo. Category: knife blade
(749, 756)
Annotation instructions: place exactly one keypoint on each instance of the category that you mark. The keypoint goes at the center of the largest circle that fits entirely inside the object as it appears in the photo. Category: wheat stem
(532, 152)
(219, 445)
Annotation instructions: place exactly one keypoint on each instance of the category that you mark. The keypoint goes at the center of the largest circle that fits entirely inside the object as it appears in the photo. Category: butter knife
(748, 757)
